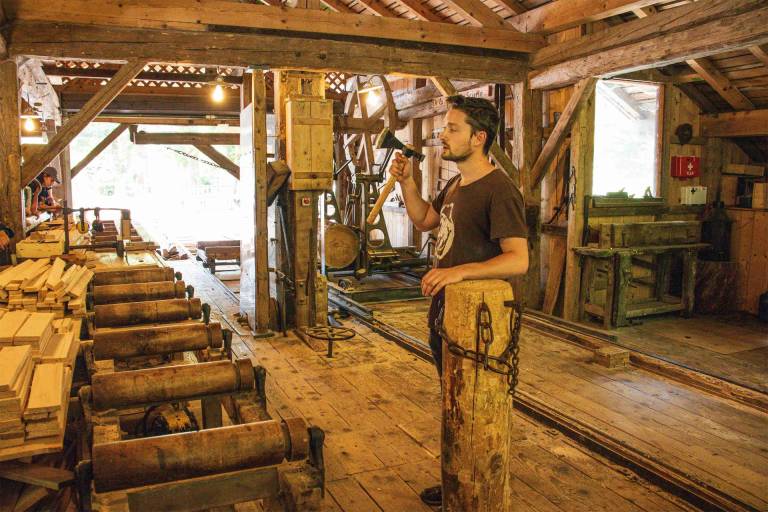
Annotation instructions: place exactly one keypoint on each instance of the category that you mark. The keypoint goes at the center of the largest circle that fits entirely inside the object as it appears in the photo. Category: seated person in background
(42, 193)
(6, 234)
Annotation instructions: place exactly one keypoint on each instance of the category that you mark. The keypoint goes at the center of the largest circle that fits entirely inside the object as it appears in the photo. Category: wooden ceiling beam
(180, 138)
(665, 38)
(153, 76)
(761, 53)
(220, 159)
(563, 14)
(175, 15)
(96, 151)
(477, 13)
(581, 94)
(172, 121)
(752, 123)
(706, 69)
(57, 40)
(43, 156)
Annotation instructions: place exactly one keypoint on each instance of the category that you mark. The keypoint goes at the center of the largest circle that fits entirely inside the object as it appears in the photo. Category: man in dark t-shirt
(480, 215)
(42, 193)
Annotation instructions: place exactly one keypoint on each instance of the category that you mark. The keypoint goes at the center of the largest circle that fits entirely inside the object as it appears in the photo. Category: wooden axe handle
(383, 193)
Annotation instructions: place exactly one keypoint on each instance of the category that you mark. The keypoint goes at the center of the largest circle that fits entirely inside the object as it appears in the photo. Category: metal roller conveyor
(122, 343)
(133, 463)
(170, 383)
(148, 312)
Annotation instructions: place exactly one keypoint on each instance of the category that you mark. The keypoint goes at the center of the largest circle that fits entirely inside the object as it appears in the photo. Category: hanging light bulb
(373, 100)
(218, 93)
(29, 124)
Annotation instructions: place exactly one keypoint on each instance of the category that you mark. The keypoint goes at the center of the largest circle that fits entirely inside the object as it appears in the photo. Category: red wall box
(686, 166)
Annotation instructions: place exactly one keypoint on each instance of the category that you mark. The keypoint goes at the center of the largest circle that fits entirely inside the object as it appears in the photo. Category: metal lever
(316, 440)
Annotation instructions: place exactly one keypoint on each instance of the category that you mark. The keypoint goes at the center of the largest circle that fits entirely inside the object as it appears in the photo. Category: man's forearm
(500, 267)
(415, 206)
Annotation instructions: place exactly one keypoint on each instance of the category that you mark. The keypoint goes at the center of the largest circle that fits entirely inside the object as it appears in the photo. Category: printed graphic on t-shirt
(445, 232)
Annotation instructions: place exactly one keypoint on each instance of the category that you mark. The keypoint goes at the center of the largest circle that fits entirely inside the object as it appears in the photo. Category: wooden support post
(42, 157)
(11, 207)
(527, 116)
(417, 141)
(582, 154)
(476, 403)
(96, 151)
(254, 257)
(66, 175)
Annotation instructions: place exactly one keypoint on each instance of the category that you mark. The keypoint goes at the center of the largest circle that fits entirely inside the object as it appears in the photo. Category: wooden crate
(309, 143)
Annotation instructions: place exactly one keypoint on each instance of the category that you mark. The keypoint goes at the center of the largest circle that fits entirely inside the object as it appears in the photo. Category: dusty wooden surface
(380, 409)
(715, 440)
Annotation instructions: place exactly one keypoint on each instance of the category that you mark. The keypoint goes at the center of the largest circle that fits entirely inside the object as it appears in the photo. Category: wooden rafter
(706, 69)
(42, 157)
(57, 40)
(338, 6)
(513, 5)
(446, 88)
(753, 123)
(581, 94)
(96, 151)
(761, 53)
(421, 11)
(564, 14)
(378, 8)
(477, 13)
(220, 159)
(679, 34)
(164, 14)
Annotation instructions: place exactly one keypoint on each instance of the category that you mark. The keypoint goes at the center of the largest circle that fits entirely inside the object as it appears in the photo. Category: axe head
(387, 140)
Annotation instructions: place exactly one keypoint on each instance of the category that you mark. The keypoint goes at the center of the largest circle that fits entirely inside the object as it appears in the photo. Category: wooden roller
(120, 390)
(138, 275)
(160, 339)
(149, 312)
(126, 464)
(137, 292)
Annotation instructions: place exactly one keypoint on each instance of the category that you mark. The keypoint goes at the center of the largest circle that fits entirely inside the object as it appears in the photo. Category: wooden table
(616, 264)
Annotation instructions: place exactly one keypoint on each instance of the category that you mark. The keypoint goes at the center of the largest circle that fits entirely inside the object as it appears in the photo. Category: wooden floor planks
(380, 408)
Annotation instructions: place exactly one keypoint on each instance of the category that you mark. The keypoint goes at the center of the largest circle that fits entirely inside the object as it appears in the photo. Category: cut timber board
(45, 395)
(35, 328)
(10, 325)
(12, 361)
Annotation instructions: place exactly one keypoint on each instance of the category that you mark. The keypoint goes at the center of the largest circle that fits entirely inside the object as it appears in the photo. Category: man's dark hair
(481, 116)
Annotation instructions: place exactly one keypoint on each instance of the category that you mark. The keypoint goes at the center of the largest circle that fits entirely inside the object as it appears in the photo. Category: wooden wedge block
(15, 274)
(33, 285)
(46, 391)
(12, 362)
(10, 325)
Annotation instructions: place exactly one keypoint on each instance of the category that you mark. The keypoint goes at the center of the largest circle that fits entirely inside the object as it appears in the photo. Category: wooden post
(476, 404)
(254, 257)
(11, 207)
(527, 116)
(417, 141)
(582, 155)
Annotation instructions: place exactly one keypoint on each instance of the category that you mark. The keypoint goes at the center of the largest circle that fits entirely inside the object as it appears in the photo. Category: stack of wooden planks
(39, 285)
(16, 368)
(44, 414)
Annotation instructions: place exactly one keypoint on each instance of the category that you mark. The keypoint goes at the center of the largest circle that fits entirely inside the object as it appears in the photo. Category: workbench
(606, 277)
